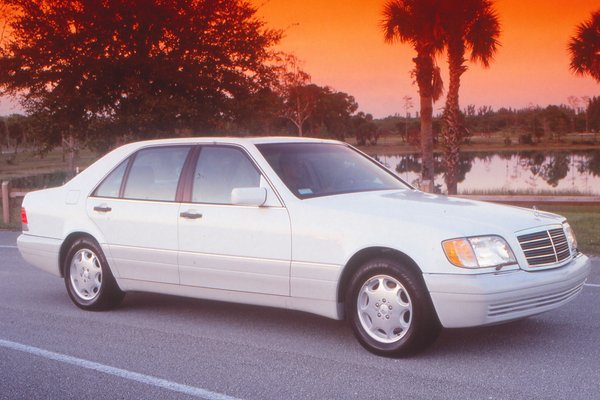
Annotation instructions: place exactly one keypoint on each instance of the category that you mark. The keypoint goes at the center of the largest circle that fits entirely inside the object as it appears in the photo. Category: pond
(564, 172)
(553, 172)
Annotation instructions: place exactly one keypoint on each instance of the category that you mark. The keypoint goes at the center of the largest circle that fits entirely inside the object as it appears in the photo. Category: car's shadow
(511, 336)
(516, 337)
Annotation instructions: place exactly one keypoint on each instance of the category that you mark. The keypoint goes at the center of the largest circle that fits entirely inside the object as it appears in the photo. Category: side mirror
(254, 196)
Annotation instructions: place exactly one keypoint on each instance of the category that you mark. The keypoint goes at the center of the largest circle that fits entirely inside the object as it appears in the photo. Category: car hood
(460, 216)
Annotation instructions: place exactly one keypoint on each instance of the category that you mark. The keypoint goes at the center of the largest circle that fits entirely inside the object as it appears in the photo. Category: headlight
(570, 237)
(479, 252)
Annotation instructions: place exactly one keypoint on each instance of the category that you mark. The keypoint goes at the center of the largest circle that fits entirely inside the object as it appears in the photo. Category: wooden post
(6, 201)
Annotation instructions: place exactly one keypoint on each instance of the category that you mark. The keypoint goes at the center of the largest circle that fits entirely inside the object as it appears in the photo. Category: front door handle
(102, 208)
(190, 215)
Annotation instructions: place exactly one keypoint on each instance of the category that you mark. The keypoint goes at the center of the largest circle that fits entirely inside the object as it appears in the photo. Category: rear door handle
(102, 208)
(190, 215)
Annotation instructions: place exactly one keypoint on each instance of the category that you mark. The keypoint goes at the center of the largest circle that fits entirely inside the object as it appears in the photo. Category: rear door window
(155, 172)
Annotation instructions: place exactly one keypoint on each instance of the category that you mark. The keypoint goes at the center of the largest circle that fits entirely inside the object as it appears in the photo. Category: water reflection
(563, 172)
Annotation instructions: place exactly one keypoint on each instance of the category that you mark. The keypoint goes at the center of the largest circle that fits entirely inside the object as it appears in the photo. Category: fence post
(6, 201)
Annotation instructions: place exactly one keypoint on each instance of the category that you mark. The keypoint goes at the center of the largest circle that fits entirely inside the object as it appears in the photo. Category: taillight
(24, 218)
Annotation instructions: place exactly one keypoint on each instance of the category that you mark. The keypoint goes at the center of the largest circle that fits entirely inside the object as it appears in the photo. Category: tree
(593, 115)
(260, 113)
(332, 111)
(469, 26)
(586, 101)
(584, 48)
(4, 138)
(574, 102)
(299, 98)
(417, 22)
(16, 133)
(13, 132)
(556, 120)
(149, 67)
(365, 130)
(408, 104)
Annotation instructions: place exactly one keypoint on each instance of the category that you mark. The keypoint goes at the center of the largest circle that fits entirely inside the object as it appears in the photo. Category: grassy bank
(585, 220)
(393, 145)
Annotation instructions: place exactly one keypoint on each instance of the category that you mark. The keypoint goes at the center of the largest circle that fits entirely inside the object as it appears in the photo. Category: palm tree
(416, 22)
(584, 48)
(469, 26)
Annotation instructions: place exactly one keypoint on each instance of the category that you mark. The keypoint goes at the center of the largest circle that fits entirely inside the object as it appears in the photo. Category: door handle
(102, 208)
(190, 215)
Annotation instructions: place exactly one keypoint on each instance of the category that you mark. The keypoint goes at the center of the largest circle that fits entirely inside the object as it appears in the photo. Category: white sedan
(304, 224)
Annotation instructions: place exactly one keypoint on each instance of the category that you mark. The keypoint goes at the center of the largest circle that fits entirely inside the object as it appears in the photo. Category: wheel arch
(370, 253)
(66, 245)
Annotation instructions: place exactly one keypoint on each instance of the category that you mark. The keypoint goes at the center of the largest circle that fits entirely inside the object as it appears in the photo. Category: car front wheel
(389, 309)
(89, 282)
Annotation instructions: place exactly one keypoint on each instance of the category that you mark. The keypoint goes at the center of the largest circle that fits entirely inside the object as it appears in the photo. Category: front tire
(389, 309)
(89, 281)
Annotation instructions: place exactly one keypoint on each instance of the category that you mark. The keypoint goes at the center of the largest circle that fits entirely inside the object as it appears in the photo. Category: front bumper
(473, 300)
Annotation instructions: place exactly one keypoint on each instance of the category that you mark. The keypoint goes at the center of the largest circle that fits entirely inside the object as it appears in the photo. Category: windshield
(320, 169)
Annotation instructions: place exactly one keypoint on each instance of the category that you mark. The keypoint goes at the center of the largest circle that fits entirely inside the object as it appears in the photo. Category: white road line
(122, 373)
(5, 246)
(591, 284)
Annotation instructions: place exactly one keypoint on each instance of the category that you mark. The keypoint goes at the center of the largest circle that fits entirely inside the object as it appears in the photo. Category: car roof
(232, 140)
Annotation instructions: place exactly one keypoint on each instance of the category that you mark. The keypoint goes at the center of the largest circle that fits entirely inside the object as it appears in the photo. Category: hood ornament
(536, 212)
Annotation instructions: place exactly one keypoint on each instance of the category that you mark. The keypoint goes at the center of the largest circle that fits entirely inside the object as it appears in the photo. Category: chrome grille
(545, 247)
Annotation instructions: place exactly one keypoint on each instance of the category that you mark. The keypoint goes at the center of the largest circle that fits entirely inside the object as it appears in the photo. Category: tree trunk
(71, 148)
(427, 144)
(424, 72)
(297, 123)
(63, 145)
(587, 122)
(453, 129)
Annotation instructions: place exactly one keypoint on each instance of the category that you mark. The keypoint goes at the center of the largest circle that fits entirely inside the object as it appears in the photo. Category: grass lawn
(585, 220)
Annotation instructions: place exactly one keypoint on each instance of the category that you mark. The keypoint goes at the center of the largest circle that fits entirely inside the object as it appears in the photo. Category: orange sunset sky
(341, 44)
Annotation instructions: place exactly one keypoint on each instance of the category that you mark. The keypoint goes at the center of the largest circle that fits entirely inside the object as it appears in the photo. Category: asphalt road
(166, 347)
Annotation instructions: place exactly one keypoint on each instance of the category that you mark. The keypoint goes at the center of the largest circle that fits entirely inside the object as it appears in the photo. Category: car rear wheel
(89, 282)
(389, 309)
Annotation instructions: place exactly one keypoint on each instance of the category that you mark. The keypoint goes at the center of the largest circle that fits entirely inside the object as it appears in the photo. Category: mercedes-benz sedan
(303, 224)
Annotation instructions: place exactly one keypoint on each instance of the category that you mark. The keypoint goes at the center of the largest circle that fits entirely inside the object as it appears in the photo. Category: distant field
(29, 163)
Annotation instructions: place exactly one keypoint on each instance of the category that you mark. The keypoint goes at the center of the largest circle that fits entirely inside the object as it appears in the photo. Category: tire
(89, 281)
(389, 309)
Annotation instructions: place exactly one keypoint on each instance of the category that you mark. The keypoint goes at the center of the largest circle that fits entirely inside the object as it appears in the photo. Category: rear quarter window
(111, 185)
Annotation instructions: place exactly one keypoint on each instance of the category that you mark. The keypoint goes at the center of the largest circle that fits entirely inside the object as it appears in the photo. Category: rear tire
(89, 281)
(389, 309)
